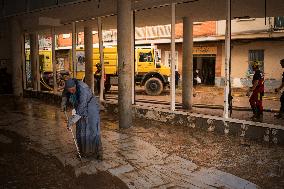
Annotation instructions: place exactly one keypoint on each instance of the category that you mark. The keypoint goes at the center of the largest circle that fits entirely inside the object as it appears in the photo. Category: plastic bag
(198, 80)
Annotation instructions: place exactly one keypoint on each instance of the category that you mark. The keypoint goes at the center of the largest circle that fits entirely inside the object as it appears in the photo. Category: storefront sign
(204, 50)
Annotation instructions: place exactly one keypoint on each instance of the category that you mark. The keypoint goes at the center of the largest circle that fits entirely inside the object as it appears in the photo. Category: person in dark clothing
(257, 93)
(98, 75)
(195, 75)
(281, 111)
(177, 77)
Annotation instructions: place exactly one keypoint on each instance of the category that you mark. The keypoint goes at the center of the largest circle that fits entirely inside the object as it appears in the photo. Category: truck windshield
(145, 57)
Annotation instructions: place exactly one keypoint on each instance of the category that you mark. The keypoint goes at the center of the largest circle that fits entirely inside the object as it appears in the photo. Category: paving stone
(121, 169)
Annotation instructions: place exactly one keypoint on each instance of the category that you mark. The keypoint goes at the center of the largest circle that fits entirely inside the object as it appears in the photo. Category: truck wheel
(153, 86)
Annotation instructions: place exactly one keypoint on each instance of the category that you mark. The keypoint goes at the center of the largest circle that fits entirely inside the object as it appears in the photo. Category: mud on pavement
(28, 168)
(23, 167)
(258, 163)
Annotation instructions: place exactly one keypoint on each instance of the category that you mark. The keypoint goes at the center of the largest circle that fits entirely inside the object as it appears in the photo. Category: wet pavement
(24, 167)
(148, 155)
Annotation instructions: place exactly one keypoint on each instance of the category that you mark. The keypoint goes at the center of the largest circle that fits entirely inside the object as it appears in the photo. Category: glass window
(256, 55)
(145, 57)
(279, 22)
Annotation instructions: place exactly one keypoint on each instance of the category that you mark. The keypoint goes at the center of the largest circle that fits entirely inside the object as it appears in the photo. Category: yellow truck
(46, 71)
(45, 60)
(149, 74)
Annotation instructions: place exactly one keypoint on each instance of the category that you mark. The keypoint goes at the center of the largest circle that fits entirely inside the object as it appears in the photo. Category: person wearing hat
(88, 127)
(98, 75)
(257, 90)
(281, 111)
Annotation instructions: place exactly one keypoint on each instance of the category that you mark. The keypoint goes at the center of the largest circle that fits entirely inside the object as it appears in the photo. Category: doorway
(206, 68)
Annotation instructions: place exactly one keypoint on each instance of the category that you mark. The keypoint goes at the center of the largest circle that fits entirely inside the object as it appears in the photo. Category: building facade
(252, 39)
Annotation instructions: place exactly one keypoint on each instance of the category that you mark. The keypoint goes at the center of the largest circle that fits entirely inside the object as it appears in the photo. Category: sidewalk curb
(261, 132)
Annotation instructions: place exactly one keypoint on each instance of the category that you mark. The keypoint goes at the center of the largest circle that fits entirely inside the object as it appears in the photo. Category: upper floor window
(279, 22)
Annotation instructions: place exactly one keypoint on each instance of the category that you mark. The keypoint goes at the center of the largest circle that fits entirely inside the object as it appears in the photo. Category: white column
(54, 60)
(125, 64)
(35, 61)
(227, 60)
(187, 63)
(74, 59)
(133, 59)
(101, 49)
(17, 61)
(173, 22)
(89, 69)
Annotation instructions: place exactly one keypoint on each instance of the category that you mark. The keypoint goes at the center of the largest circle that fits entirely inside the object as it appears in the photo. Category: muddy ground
(23, 167)
(261, 164)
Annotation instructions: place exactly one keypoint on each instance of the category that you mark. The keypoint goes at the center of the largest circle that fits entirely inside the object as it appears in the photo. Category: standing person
(281, 112)
(257, 90)
(196, 81)
(88, 127)
(177, 77)
(98, 76)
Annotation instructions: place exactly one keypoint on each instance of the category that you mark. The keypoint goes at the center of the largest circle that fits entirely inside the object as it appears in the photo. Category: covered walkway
(33, 17)
(151, 154)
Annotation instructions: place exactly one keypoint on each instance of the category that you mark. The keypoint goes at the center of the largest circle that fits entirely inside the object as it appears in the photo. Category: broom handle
(74, 139)
(76, 144)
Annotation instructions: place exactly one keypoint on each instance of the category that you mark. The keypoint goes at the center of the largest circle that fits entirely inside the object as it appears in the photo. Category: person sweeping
(88, 126)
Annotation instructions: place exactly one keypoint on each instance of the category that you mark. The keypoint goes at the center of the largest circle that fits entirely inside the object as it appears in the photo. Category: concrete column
(34, 61)
(24, 64)
(187, 63)
(133, 58)
(227, 60)
(101, 49)
(125, 66)
(173, 53)
(88, 43)
(74, 59)
(54, 60)
(17, 42)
